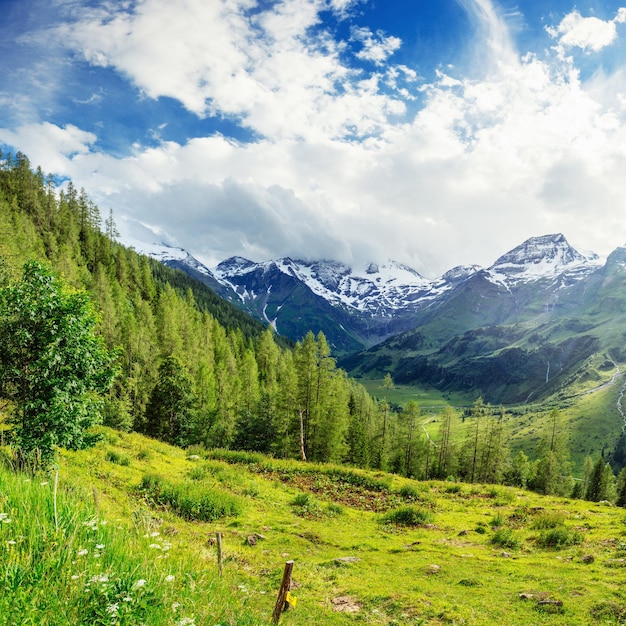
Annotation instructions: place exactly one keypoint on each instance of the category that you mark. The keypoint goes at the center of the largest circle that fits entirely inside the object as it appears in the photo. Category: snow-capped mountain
(540, 258)
(359, 306)
(374, 290)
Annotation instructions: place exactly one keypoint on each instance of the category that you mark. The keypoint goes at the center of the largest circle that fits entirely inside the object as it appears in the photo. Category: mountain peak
(543, 257)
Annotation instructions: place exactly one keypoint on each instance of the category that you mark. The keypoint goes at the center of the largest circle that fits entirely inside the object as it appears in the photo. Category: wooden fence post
(219, 553)
(285, 585)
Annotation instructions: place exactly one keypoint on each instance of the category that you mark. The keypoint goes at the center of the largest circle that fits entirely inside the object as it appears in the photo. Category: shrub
(305, 505)
(190, 501)
(506, 538)
(559, 538)
(549, 520)
(407, 516)
(115, 457)
(453, 489)
(409, 493)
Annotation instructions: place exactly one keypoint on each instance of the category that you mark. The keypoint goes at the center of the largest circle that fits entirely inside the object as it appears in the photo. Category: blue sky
(433, 133)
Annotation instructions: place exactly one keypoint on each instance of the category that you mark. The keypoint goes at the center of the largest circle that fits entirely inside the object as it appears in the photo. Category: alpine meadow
(165, 452)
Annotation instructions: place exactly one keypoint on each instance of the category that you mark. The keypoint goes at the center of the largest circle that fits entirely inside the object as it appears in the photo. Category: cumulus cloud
(271, 69)
(50, 144)
(343, 163)
(376, 46)
(591, 34)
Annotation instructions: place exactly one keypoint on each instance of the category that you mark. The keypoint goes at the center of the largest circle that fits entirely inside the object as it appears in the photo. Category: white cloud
(588, 33)
(271, 69)
(376, 46)
(49, 144)
(339, 167)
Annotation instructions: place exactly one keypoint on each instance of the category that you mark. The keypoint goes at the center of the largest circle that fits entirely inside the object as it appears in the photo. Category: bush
(407, 516)
(506, 538)
(190, 501)
(305, 505)
(549, 520)
(115, 457)
(453, 489)
(409, 493)
(559, 538)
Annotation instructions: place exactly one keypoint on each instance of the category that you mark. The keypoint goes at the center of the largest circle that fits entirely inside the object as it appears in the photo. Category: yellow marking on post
(291, 600)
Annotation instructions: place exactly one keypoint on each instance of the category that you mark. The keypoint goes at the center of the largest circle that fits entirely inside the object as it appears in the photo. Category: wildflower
(75, 576)
(175, 606)
(100, 578)
(186, 621)
(83, 552)
(4, 518)
(112, 609)
(44, 483)
(11, 542)
(127, 599)
(139, 583)
(169, 578)
(99, 546)
(155, 546)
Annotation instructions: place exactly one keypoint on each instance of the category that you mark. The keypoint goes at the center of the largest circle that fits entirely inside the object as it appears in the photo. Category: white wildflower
(11, 542)
(100, 578)
(83, 552)
(155, 546)
(99, 546)
(169, 578)
(112, 609)
(139, 583)
(127, 599)
(186, 621)
(175, 606)
(44, 483)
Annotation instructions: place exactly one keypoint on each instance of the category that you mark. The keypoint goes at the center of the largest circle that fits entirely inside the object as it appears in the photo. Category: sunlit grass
(470, 554)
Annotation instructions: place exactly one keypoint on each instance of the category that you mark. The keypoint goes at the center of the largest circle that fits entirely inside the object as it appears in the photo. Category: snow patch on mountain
(165, 254)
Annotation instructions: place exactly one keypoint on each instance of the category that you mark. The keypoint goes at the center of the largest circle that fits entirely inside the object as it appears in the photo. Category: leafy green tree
(54, 368)
(519, 471)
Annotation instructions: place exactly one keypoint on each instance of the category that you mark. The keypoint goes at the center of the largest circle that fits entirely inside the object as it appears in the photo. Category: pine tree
(170, 412)
(553, 466)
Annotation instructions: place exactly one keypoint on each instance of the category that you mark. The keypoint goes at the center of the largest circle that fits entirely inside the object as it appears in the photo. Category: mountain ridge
(374, 301)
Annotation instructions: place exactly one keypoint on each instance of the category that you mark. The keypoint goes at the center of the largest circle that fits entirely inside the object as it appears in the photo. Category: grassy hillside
(369, 548)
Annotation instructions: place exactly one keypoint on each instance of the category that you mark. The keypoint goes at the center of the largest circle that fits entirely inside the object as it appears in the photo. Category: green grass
(479, 555)
(427, 397)
(80, 567)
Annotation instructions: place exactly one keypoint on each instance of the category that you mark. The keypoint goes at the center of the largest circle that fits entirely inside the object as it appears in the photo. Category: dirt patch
(346, 604)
